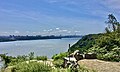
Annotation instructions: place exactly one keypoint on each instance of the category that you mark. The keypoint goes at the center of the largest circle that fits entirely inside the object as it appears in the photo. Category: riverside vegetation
(30, 63)
(105, 45)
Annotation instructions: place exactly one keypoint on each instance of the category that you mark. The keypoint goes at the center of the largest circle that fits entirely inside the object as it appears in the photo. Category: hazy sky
(47, 17)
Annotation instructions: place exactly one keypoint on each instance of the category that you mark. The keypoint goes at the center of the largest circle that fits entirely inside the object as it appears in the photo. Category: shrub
(110, 56)
(6, 58)
(60, 56)
(31, 55)
(23, 57)
(41, 58)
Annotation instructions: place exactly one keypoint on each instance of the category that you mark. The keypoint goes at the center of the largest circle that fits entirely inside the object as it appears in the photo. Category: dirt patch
(100, 66)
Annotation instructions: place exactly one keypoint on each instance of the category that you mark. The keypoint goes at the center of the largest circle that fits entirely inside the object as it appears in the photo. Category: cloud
(115, 4)
(69, 32)
(56, 31)
(63, 2)
(112, 5)
(16, 32)
(49, 30)
(74, 15)
(76, 31)
(108, 7)
(21, 14)
(52, 1)
(27, 31)
(44, 30)
(6, 32)
(57, 28)
(34, 32)
(64, 30)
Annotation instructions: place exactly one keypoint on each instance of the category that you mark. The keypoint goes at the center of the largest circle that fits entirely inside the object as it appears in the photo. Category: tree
(113, 24)
(107, 30)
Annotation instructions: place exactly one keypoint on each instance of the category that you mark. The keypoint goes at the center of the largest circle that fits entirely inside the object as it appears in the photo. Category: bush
(41, 58)
(7, 59)
(110, 56)
(100, 57)
(31, 55)
(60, 56)
(23, 57)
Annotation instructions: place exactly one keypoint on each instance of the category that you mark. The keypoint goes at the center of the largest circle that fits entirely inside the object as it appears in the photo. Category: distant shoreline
(24, 38)
(28, 40)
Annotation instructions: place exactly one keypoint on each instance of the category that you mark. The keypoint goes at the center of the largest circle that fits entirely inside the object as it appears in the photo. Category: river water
(47, 47)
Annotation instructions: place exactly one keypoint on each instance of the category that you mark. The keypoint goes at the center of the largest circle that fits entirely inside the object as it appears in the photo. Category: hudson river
(47, 47)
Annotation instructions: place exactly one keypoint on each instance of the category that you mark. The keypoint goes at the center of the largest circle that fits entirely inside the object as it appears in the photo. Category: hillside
(86, 42)
(105, 45)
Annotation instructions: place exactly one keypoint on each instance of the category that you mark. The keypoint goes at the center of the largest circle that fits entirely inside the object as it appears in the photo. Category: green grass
(42, 67)
(32, 67)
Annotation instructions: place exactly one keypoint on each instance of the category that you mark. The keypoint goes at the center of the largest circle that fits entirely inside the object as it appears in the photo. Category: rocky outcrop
(74, 57)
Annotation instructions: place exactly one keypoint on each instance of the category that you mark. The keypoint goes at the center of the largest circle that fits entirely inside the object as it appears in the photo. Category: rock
(90, 56)
(68, 61)
(78, 57)
(76, 52)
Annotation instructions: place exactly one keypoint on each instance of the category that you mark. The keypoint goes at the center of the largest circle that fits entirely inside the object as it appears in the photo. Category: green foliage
(85, 43)
(111, 22)
(58, 63)
(41, 58)
(97, 50)
(19, 64)
(60, 56)
(105, 45)
(23, 57)
(107, 30)
(18, 59)
(31, 55)
(10, 61)
(32, 67)
(7, 59)
(41, 67)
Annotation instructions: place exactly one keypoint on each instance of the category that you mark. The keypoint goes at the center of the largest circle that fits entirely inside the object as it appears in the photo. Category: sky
(55, 17)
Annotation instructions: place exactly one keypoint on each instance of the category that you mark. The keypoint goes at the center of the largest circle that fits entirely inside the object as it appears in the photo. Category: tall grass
(32, 67)
(42, 67)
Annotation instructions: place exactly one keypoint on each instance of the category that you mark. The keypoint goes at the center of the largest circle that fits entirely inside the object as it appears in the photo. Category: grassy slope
(106, 45)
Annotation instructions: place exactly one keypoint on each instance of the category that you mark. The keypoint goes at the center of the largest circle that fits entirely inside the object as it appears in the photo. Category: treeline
(15, 38)
(105, 45)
